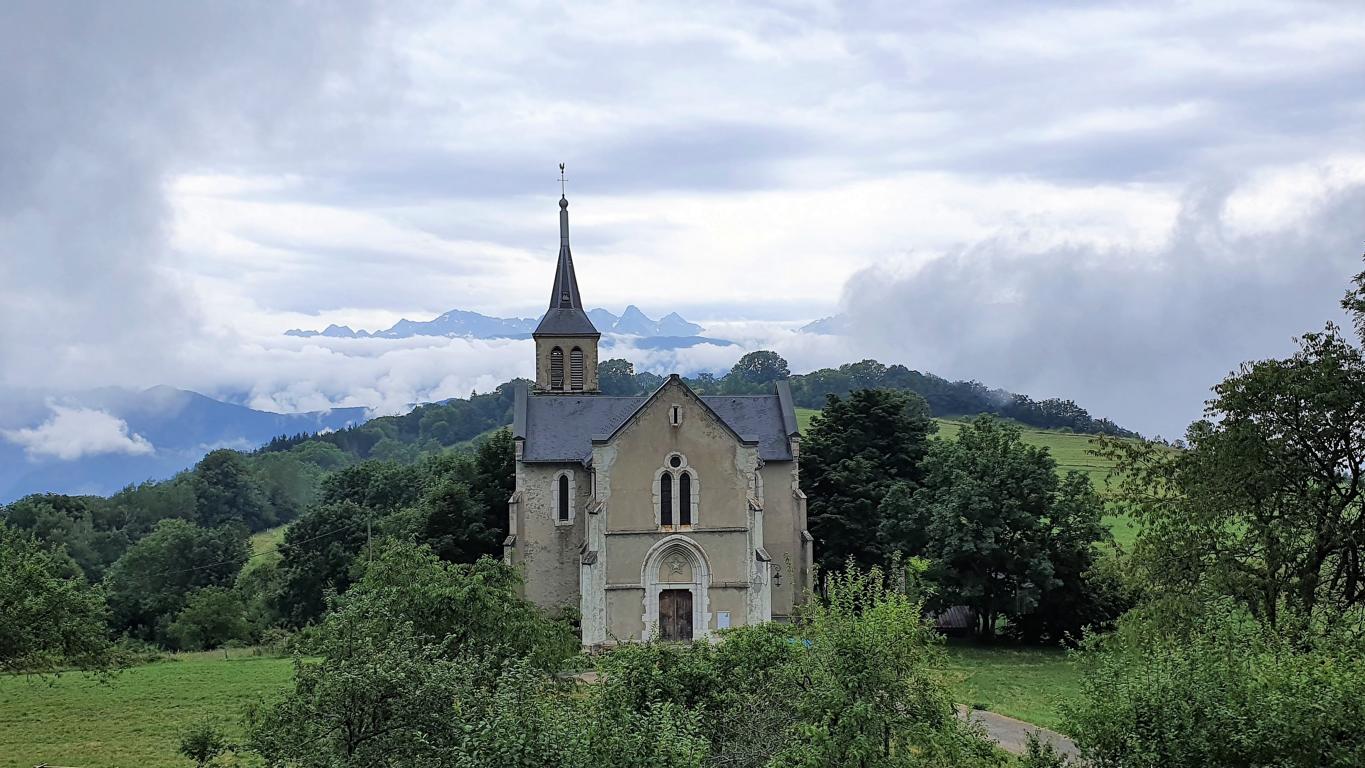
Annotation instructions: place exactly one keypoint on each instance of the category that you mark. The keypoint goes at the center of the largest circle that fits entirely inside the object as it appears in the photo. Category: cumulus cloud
(72, 433)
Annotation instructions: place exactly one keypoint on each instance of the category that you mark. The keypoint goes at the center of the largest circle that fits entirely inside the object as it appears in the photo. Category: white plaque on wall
(723, 620)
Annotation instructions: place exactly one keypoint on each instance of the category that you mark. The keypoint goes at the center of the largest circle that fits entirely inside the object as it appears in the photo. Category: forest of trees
(756, 371)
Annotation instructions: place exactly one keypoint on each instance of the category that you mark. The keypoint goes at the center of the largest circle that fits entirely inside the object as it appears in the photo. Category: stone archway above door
(675, 564)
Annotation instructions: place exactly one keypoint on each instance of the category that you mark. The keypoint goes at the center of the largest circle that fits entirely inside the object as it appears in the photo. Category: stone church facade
(668, 516)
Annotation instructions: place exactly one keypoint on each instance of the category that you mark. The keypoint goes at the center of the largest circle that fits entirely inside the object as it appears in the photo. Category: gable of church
(676, 463)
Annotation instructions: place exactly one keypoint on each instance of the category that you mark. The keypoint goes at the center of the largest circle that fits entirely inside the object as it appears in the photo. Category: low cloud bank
(72, 433)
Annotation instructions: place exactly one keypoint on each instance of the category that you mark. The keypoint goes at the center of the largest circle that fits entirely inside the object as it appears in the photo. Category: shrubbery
(1224, 691)
(425, 662)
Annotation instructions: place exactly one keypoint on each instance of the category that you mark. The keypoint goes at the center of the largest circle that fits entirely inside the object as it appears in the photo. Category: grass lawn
(1024, 683)
(135, 719)
(1070, 450)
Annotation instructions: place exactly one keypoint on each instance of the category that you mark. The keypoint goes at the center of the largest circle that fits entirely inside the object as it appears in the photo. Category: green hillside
(1070, 450)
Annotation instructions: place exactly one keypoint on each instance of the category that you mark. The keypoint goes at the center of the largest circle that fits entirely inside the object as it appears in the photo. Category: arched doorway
(677, 579)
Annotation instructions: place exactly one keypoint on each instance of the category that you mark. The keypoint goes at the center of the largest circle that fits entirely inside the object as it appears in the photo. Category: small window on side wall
(564, 500)
(675, 415)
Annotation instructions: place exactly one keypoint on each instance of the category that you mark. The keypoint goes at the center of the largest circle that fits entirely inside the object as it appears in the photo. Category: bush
(864, 689)
(1041, 754)
(1227, 692)
(203, 742)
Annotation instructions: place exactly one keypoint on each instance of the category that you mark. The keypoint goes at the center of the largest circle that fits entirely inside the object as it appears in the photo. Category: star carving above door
(676, 564)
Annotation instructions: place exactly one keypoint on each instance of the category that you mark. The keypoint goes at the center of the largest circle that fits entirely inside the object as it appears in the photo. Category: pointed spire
(565, 292)
(565, 316)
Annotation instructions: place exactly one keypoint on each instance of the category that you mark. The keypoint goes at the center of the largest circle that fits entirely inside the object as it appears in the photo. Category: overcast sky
(1115, 205)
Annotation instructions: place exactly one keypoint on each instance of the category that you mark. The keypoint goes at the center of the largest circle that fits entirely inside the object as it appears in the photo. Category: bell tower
(566, 340)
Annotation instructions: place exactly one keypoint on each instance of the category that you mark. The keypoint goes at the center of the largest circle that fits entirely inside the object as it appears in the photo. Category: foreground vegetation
(66, 720)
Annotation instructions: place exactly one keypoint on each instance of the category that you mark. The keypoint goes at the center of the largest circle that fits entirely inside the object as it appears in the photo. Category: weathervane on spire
(561, 180)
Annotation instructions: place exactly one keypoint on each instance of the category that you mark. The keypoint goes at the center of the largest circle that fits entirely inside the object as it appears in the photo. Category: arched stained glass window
(685, 499)
(666, 499)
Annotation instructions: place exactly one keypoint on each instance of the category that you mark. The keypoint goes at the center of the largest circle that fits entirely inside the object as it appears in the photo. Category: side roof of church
(560, 428)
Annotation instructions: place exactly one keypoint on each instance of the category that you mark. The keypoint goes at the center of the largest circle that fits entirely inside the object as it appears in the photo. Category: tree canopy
(855, 452)
(150, 584)
(50, 618)
(1005, 535)
(1265, 505)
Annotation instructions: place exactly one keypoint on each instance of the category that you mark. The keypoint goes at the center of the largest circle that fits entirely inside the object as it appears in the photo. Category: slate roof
(561, 428)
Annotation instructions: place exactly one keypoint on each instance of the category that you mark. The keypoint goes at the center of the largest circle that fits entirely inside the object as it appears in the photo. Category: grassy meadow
(134, 719)
(1025, 683)
(1070, 450)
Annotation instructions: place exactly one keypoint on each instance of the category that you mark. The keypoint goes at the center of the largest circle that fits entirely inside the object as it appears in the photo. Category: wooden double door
(675, 615)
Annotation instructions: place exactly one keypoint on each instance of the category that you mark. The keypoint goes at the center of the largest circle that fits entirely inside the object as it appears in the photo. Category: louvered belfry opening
(557, 368)
(576, 369)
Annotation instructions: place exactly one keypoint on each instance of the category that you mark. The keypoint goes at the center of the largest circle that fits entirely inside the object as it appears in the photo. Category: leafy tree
(148, 586)
(865, 692)
(1265, 505)
(456, 526)
(50, 617)
(289, 483)
(140, 507)
(324, 456)
(77, 524)
(472, 609)
(212, 616)
(258, 586)
(225, 491)
(760, 368)
(495, 481)
(376, 699)
(318, 555)
(420, 661)
(381, 486)
(854, 453)
(1003, 533)
(1087, 591)
(617, 377)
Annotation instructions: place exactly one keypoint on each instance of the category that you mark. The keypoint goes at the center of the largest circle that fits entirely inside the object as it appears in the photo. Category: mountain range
(100, 440)
(459, 323)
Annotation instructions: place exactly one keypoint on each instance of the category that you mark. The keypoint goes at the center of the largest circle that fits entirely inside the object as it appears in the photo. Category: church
(665, 517)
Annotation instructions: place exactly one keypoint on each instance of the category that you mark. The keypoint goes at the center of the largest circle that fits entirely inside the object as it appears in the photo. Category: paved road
(1012, 735)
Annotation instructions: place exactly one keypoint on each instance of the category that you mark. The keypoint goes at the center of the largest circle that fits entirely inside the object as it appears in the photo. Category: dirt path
(1012, 735)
